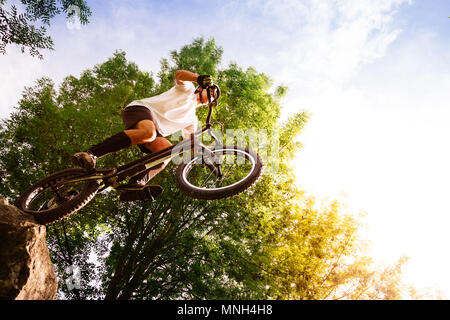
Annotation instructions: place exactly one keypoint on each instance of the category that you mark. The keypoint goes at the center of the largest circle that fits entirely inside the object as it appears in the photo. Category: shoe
(84, 160)
(87, 159)
(136, 192)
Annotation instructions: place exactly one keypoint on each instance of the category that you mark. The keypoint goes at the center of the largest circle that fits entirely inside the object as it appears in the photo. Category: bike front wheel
(240, 169)
(58, 195)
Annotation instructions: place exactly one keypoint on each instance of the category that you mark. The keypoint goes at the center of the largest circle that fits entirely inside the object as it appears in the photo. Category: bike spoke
(233, 166)
(207, 179)
(58, 195)
(224, 175)
(52, 196)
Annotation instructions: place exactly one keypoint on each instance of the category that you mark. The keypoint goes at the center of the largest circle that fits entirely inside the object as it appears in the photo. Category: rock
(26, 272)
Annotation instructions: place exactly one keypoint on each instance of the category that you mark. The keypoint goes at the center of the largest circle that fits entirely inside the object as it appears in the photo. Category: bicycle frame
(131, 169)
(115, 176)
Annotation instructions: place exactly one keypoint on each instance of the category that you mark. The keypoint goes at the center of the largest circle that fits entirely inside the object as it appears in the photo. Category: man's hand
(204, 80)
(183, 75)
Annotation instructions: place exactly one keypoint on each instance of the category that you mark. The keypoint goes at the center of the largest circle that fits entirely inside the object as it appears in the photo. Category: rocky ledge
(26, 272)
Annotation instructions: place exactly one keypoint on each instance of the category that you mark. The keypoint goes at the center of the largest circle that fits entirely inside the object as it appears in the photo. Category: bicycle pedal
(108, 171)
(130, 188)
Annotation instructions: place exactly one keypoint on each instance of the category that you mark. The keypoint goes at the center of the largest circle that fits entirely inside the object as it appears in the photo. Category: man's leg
(152, 145)
(143, 132)
(156, 145)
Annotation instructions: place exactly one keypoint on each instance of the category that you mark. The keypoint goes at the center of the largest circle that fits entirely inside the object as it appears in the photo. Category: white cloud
(311, 46)
(18, 70)
(77, 50)
(382, 139)
(304, 44)
(380, 112)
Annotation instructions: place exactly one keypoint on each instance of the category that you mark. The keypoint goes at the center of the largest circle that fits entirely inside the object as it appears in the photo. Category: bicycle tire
(224, 192)
(63, 210)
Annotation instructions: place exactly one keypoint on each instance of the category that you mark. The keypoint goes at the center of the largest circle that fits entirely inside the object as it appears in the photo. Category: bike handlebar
(212, 104)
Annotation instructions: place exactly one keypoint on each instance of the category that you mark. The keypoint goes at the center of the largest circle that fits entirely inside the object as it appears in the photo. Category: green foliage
(29, 29)
(49, 126)
(200, 56)
(271, 242)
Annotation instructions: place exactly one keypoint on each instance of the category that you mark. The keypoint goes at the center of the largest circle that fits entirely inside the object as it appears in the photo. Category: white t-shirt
(173, 110)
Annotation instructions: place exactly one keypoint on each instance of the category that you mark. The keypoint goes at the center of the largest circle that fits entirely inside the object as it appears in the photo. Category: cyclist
(147, 122)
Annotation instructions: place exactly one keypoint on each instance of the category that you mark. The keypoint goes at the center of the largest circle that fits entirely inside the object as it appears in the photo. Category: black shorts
(132, 115)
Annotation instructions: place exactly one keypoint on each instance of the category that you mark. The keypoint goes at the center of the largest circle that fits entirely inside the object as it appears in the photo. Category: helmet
(216, 93)
(213, 89)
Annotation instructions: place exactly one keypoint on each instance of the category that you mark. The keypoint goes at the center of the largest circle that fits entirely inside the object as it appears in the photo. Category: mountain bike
(208, 172)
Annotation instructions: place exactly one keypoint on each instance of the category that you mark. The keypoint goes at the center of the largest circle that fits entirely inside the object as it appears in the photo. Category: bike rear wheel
(240, 166)
(51, 199)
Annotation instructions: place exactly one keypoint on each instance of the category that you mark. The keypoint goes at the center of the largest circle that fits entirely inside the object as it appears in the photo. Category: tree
(29, 29)
(271, 242)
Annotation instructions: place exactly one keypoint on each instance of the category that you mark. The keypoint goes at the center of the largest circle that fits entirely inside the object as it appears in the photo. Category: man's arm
(183, 75)
(186, 132)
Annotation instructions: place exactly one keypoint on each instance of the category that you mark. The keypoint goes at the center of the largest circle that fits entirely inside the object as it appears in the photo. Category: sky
(374, 74)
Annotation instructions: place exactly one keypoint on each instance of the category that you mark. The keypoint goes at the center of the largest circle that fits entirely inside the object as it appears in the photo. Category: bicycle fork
(210, 160)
